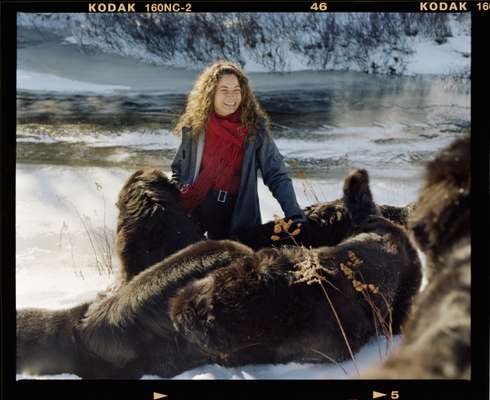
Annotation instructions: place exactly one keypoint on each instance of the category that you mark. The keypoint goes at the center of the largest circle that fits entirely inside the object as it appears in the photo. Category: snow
(107, 72)
(444, 59)
(371, 353)
(30, 80)
(420, 55)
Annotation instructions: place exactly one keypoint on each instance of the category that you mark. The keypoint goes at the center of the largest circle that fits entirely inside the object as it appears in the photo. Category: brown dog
(151, 225)
(436, 342)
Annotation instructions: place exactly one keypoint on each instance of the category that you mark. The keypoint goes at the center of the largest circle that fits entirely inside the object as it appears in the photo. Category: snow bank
(450, 58)
(284, 51)
(31, 80)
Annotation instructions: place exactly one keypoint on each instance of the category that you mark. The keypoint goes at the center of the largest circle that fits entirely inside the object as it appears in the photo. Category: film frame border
(477, 388)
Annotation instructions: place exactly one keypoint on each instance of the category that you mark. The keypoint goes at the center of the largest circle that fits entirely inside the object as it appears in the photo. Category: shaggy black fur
(436, 343)
(331, 222)
(270, 308)
(124, 333)
(219, 301)
(151, 225)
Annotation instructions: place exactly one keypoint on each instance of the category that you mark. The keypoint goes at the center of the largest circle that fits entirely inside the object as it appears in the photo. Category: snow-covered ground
(374, 351)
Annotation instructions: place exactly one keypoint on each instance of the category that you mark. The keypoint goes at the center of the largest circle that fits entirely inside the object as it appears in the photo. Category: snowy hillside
(385, 43)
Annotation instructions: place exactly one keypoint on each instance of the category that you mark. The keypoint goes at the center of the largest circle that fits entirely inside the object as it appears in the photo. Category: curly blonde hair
(200, 101)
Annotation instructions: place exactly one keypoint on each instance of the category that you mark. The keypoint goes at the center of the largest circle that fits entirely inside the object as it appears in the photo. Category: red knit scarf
(222, 159)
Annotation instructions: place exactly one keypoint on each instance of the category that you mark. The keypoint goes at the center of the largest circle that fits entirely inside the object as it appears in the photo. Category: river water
(324, 122)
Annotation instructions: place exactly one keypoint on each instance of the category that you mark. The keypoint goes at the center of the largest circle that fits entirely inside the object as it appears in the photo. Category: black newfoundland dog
(222, 302)
(152, 226)
(437, 334)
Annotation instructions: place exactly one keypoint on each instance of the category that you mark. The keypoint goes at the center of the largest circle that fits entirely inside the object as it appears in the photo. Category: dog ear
(357, 197)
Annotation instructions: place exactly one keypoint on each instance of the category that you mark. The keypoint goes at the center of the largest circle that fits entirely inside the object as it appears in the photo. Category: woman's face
(228, 95)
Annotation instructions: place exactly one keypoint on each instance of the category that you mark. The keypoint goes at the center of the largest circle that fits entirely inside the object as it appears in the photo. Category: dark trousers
(214, 214)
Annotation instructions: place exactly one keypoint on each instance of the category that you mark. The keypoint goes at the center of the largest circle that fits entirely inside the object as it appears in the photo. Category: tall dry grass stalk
(101, 239)
(309, 189)
(309, 271)
(64, 228)
(382, 324)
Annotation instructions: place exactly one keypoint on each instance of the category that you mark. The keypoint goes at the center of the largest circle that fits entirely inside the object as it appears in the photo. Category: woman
(225, 140)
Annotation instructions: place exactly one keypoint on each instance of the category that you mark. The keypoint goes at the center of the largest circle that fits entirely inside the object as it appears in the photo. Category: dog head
(151, 224)
(442, 214)
(146, 184)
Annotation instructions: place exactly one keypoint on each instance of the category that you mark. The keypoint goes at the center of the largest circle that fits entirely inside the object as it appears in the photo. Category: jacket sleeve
(275, 176)
(176, 165)
(181, 163)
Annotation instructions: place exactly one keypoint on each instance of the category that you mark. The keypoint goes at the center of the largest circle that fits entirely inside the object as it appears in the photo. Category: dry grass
(101, 239)
(65, 231)
(382, 325)
(281, 230)
(309, 189)
(311, 271)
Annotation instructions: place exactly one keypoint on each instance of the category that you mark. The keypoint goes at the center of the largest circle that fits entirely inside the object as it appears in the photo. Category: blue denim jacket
(261, 154)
